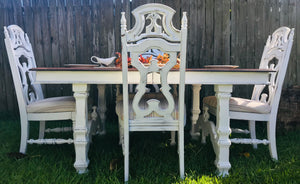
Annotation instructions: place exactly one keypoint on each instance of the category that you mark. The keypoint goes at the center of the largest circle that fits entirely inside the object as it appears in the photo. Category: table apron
(115, 77)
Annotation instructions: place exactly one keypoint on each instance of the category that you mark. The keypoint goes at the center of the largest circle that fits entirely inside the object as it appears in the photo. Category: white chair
(145, 111)
(32, 105)
(261, 107)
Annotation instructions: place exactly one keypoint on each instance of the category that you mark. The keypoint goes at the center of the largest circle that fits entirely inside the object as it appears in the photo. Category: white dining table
(82, 77)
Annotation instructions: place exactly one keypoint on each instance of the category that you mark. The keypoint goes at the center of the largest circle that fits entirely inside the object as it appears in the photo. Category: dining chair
(32, 104)
(143, 111)
(262, 106)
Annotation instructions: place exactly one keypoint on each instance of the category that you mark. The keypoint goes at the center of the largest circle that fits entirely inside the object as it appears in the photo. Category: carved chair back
(153, 29)
(275, 56)
(21, 59)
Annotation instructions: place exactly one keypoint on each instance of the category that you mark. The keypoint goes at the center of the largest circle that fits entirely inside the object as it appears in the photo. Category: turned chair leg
(121, 133)
(42, 129)
(252, 131)
(204, 120)
(95, 125)
(173, 142)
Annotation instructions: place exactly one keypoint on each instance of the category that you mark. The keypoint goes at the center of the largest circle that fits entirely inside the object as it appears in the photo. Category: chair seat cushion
(143, 104)
(55, 104)
(241, 105)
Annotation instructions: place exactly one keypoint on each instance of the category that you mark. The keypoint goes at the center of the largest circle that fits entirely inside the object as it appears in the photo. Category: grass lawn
(152, 159)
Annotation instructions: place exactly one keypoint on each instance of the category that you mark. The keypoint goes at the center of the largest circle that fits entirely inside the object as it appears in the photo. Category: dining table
(81, 77)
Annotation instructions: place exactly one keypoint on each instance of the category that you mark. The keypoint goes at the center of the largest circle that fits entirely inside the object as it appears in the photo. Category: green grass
(152, 159)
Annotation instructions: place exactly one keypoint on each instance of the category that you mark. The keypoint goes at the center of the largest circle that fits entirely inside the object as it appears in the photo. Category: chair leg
(121, 132)
(272, 138)
(251, 124)
(73, 121)
(203, 130)
(95, 123)
(24, 135)
(42, 129)
(126, 156)
(173, 142)
(204, 120)
(181, 153)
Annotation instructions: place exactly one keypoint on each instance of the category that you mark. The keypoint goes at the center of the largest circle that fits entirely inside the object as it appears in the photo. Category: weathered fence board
(209, 29)
(9, 89)
(3, 90)
(297, 46)
(220, 32)
(289, 14)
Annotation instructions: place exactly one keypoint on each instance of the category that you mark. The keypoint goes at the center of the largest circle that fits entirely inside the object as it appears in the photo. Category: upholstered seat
(55, 104)
(240, 105)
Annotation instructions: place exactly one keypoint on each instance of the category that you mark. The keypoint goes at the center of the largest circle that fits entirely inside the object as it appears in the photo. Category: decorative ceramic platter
(221, 66)
(148, 64)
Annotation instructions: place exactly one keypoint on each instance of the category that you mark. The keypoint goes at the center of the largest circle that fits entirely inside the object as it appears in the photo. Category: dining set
(143, 110)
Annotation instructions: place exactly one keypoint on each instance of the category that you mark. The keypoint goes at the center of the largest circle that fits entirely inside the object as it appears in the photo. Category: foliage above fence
(71, 31)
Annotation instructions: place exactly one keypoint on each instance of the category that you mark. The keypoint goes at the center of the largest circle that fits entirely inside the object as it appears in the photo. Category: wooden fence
(71, 31)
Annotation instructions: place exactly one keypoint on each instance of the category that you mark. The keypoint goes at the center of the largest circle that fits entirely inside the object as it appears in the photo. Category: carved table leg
(195, 110)
(102, 108)
(81, 132)
(223, 93)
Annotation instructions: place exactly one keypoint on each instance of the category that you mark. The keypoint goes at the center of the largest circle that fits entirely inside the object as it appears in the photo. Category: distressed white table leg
(195, 110)
(223, 93)
(81, 132)
(102, 108)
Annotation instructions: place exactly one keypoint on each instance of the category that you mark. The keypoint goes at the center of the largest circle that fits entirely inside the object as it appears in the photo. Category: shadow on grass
(152, 159)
